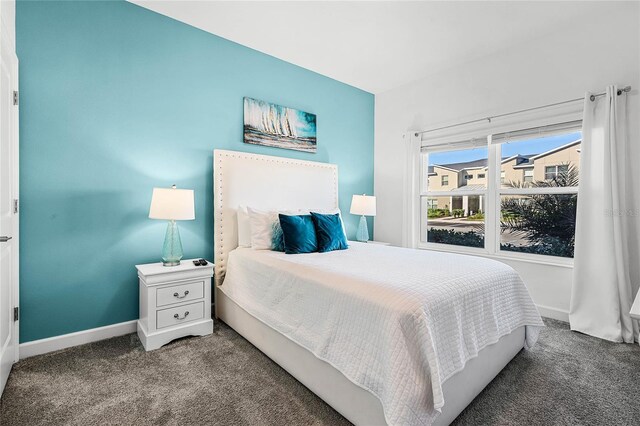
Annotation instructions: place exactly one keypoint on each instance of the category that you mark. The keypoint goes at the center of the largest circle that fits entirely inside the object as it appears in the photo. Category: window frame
(555, 172)
(492, 206)
(458, 192)
(525, 176)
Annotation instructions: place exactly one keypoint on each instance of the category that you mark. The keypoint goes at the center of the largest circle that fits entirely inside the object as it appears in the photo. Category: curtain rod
(592, 98)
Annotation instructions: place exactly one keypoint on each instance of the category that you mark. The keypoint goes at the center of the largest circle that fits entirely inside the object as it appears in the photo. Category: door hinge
(15, 97)
(16, 313)
(15, 205)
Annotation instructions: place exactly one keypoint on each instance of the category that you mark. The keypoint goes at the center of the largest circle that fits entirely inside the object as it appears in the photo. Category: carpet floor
(221, 379)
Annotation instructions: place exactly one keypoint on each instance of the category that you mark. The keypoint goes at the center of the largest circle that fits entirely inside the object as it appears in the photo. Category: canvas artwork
(278, 126)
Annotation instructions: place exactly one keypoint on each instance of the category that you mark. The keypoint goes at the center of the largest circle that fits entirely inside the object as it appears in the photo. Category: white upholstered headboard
(264, 182)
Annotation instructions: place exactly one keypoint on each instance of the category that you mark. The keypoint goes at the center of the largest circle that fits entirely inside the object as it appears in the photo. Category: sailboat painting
(277, 126)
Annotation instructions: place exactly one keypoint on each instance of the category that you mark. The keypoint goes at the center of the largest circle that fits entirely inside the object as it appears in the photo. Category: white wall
(589, 55)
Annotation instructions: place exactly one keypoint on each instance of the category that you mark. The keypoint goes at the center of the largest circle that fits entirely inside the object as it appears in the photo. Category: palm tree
(547, 221)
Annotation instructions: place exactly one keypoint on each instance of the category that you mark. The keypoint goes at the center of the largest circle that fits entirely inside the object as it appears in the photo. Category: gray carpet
(568, 379)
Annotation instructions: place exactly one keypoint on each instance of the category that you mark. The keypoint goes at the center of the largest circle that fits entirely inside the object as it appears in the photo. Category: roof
(526, 160)
(533, 158)
(475, 164)
(474, 187)
(456, 167)
(560, 148)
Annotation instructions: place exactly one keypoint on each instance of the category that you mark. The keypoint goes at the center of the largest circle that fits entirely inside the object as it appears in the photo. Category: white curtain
(411, 185)
(606, 249)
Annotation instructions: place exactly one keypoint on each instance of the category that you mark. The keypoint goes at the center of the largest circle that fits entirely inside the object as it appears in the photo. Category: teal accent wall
(116, 100)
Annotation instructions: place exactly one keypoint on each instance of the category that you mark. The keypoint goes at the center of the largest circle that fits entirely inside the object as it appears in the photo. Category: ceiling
(377, 46)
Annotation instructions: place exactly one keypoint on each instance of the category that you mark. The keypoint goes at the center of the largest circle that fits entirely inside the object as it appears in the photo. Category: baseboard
(50, 344)
(553, 313)
(43, 346)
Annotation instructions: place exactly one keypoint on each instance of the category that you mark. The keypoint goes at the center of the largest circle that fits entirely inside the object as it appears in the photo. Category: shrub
(431, 213)
(477, 216)
(449, 236)
(552, 247)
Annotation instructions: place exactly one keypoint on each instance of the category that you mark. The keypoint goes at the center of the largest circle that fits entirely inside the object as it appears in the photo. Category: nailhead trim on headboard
(218, 159)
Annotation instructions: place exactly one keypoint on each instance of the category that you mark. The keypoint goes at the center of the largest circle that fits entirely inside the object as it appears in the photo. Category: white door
(8, 208)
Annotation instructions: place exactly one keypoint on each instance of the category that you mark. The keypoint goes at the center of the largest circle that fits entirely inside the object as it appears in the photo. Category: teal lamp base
(172, 249)
(363, 231)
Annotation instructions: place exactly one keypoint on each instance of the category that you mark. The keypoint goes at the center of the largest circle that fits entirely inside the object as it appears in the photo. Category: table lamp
(172, 204)
(363, 205)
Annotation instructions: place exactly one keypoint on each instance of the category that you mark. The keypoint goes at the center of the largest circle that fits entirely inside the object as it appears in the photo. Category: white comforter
(397, 322)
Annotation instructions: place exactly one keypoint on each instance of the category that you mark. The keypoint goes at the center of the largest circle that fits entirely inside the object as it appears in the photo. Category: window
(537, 211)
(454, 215)
(552, 172)
(535, 198)
(445, 180)
(528, 176)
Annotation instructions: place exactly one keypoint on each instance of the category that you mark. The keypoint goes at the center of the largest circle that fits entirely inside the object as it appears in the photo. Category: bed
(384, 335)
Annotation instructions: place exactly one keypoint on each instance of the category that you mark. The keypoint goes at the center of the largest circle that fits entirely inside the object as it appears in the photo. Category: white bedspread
(397, 322)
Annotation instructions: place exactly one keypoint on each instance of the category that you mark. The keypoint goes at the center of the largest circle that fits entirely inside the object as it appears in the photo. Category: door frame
(8, 47)
(16, 199)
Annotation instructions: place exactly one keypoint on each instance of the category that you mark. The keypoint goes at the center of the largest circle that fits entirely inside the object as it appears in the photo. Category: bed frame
(267, 182)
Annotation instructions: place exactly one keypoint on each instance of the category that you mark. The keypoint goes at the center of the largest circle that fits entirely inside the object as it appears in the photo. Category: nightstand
(175, 301)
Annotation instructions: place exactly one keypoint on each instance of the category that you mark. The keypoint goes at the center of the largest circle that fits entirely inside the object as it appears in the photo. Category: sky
(524, 147)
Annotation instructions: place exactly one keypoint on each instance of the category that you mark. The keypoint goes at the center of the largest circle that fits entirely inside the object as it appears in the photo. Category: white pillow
(261, 228)
(262, 222)
(244, 227)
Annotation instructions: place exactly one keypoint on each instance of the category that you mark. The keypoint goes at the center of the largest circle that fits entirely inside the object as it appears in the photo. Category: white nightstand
(175, 301)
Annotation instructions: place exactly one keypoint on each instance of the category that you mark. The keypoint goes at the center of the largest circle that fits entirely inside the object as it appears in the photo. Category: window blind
(537, 132)
(452, 146)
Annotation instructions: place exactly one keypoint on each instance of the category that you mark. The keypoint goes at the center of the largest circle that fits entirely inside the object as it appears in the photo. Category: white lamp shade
(172, 204)
(363, 205)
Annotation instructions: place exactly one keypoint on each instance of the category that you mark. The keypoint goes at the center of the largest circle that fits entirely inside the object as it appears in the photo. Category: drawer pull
(177, 296)
(176, 316)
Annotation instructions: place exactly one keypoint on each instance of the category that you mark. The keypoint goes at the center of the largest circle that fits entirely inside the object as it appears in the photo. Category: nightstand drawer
(179, 293)
(179, 315)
